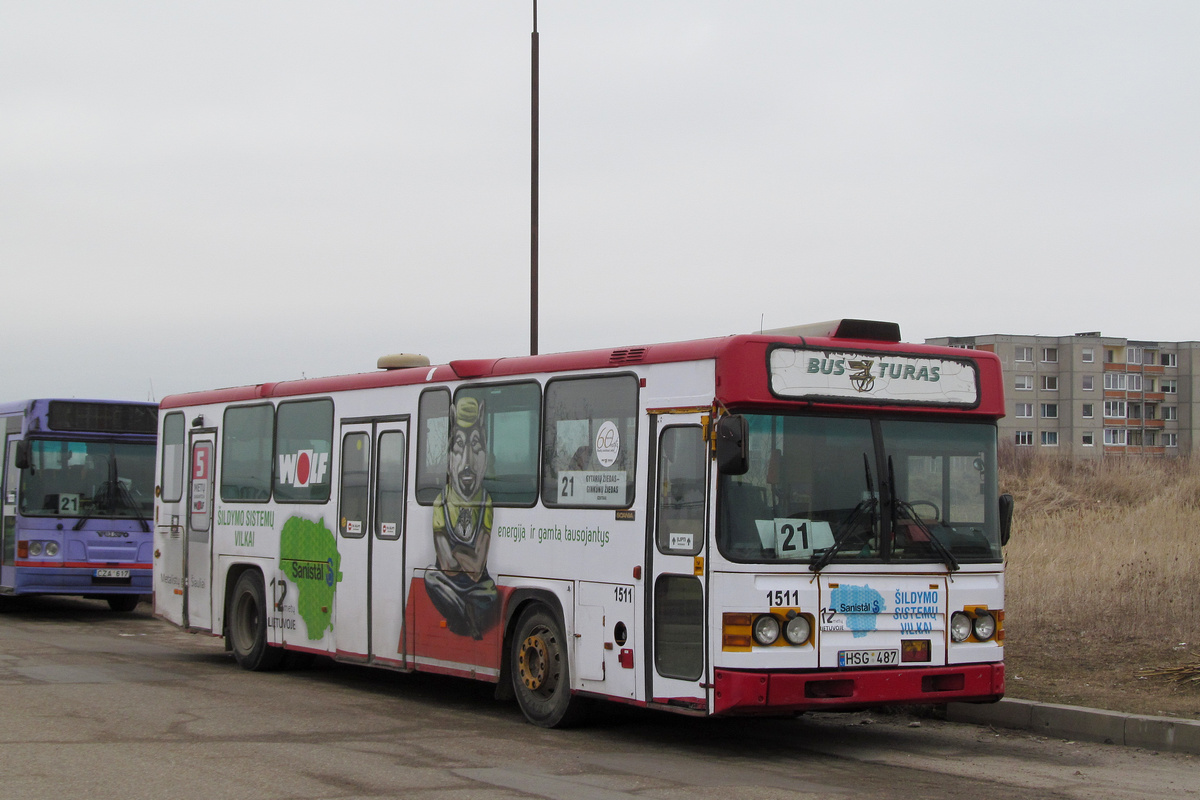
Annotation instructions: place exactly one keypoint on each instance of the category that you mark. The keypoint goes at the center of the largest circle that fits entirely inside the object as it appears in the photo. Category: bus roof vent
(627, 355)
(402, 361)
(868, 329)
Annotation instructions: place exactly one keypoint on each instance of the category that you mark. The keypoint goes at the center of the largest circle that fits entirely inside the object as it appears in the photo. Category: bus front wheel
(122, 603)
(247, 623)
(541, 670)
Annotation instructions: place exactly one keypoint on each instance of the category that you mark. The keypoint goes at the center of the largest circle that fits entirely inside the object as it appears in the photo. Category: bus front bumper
(738, 692)
(77, 580)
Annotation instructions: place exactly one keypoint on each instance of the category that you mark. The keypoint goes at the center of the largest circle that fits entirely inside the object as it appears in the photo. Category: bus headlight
(797, 630)
(51, 549)
(766, 630)
(35, 548)
(985, 626)
(960, 626)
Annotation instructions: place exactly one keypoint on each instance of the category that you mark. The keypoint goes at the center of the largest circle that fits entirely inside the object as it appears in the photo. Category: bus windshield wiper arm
(127, 498)
(899, 505)
(842, 534)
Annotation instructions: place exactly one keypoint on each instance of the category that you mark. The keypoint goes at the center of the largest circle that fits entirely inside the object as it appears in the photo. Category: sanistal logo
(303, 468)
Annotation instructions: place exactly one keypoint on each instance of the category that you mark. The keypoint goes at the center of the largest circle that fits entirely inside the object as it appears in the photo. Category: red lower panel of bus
(774, 692)
(435, 647)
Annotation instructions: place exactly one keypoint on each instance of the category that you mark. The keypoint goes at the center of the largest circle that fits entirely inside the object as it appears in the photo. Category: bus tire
(541, 672)
(247, 621)
(122, 603)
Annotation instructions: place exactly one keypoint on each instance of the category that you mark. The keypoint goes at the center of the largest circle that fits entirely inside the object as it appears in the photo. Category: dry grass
(1108, 549)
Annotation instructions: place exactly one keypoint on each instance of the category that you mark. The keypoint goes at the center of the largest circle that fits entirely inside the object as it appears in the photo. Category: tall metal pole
(533, 191)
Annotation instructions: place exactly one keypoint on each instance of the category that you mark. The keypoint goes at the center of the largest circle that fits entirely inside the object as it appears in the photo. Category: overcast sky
(206, 194)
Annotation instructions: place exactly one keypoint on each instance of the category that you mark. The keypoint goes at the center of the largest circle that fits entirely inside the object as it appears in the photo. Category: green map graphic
(309, 559)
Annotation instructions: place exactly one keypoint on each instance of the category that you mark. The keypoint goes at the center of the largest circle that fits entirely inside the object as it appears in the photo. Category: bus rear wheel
(541, 670)
(247, 624)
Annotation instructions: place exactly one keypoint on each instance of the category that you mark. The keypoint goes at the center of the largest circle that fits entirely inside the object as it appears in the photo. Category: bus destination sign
(806, 374)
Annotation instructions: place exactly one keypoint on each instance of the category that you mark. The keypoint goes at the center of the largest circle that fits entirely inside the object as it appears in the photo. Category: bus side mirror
(1006, 514)
(732, 432)
(24, 448)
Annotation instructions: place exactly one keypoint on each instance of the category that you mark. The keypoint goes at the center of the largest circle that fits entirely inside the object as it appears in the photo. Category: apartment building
(1093, 396)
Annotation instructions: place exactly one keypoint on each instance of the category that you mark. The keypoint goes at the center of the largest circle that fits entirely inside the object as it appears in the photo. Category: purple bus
(78, 499)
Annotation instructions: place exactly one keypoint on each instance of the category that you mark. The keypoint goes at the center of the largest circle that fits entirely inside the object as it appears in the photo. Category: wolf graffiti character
(459, 585)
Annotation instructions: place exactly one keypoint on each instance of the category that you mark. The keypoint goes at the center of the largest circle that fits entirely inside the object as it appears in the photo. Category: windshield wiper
(900, 505)
(123, 492)
(842, 535)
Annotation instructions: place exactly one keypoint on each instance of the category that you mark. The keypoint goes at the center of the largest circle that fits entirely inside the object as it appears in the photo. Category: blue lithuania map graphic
(860, 604)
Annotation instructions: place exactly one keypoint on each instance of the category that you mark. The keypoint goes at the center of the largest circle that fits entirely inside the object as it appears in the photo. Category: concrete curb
(1083, 724)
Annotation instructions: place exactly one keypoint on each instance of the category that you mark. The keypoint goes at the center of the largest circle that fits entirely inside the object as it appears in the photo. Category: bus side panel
(438, 648)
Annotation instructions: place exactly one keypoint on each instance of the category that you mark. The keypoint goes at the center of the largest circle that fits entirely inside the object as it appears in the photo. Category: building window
(1149, 383)
(1050, 383)
(1135, 410)
(1114, 409)
(1024, 438)
(1089, 439)
(1150, 409)
(1088, 355)
(1049, 438)
(1088, 411)
(1135, 438)
(1151, 438)
(1170, 440)
(1049, 410)
(1088, 382)
(1133, 355)
(1110, 356)
(1114, 381)
(1023, 354)
(1024, 383)
(1114, 436)
(1170, 386)
(1168, 360)
(1050, 355)
(1135, 383)
(1170, 413)
(1024, 410)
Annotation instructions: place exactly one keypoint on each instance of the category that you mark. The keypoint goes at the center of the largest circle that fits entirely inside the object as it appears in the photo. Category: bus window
(356, 471)
(173, 458)
(589, 442)
(511, 413)
(246, 439)
(681, 463)
(811, 481)
(433, 436)
(303, 444)
(389, 490)
(679, 627)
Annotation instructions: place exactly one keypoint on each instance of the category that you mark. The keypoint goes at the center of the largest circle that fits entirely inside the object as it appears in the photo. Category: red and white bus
(757, 524)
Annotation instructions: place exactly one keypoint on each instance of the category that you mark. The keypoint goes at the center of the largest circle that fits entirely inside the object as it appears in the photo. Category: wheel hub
(533, 662)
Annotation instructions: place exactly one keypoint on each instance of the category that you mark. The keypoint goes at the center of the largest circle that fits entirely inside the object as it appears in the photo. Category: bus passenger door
(8, 534)
(675, 635)
(197, 552)
(371, 506)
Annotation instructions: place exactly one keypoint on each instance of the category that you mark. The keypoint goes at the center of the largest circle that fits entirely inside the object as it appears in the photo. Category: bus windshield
(830, 489)
(88, 479)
